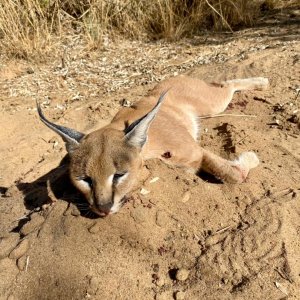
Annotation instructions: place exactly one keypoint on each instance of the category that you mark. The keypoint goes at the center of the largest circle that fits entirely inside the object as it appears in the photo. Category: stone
(139, 215)
(160, 281)
(20, 250)
(161, 218)
(180, 295)
(75, 211)
(36, 220)
(21, 263)
(144, 191)
(186, 197)
(95, 228)
(8, 243)
(182, 274)
(93, 286)
(154, 179)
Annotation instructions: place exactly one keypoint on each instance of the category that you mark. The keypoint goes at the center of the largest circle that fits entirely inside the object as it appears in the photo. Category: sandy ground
(189, 238)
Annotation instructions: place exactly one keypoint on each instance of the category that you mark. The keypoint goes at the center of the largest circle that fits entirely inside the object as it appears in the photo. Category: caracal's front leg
(229, 171)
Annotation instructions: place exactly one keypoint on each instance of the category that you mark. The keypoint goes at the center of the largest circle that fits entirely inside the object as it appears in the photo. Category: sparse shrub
(32, 28)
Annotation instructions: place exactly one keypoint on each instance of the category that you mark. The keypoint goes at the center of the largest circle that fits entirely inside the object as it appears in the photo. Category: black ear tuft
(70, 136)
(136, 132)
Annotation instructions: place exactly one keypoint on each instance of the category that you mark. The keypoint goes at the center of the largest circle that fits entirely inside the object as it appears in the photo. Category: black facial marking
(89, 181)
(117, 176)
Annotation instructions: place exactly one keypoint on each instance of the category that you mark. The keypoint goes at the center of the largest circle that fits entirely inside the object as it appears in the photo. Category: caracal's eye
(89, 181)
(118, 176)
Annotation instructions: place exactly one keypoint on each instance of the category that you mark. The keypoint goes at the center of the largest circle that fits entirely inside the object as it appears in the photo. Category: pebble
(30, 70)
(180, 295)
(75, 211)
(139, 215)
(95, 228)
(20, 250)
(182, 274)
(186, 197)
(93, 286)
(162, 218)
(154, 179)
(144, 191)
(8, 243)
(160, 281)
(35, 222)
(11, 191)
(21, 263)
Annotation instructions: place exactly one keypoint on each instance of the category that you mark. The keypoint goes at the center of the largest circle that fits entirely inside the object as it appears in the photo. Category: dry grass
(25, 28)
(32, 28)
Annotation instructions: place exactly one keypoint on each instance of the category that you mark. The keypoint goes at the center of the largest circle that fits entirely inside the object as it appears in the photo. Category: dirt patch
(188, 238)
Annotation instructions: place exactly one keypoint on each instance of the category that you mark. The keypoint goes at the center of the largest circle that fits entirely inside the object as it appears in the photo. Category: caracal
(105, 164)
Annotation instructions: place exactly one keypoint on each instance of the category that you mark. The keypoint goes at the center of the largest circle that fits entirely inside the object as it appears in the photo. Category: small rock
(161, 218)
(182, 274)
(35, 222)
(75, 211)
(8, 243)
(30, 70)
(93, 286)
(294, 118)
(45, 206)
(20, 250)
(21, 263)
(125, 103)
(11, 191)
(180, 295)
(11, 297)
(94, 228)
(186, 197)
(160, 281)
(139, 215)
(154, 179)
(144, 191)
(283, 288)
(155, 268)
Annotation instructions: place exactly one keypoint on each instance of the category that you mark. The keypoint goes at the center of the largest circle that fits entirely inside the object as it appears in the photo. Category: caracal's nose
(103, 210)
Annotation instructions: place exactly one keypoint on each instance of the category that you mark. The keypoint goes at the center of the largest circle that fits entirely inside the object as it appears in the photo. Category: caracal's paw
(248, 160)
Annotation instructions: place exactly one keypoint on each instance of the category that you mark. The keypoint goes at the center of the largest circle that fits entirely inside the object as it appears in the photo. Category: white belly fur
(194, 129)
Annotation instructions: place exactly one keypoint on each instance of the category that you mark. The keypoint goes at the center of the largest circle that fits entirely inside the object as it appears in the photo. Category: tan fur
(172, 137)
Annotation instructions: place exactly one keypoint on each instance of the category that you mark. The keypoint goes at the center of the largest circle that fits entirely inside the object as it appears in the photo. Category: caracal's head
(105, 164)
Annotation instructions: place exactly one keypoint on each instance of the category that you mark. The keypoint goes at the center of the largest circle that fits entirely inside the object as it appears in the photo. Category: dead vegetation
(35, 28)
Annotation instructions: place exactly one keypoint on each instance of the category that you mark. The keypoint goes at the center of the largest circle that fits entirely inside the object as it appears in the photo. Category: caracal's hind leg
(225, 90)
(235, 171)
(185, 92)
(229, 171)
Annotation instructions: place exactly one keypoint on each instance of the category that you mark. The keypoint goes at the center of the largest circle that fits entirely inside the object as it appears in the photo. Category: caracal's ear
(136, 133)
(70, 136)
